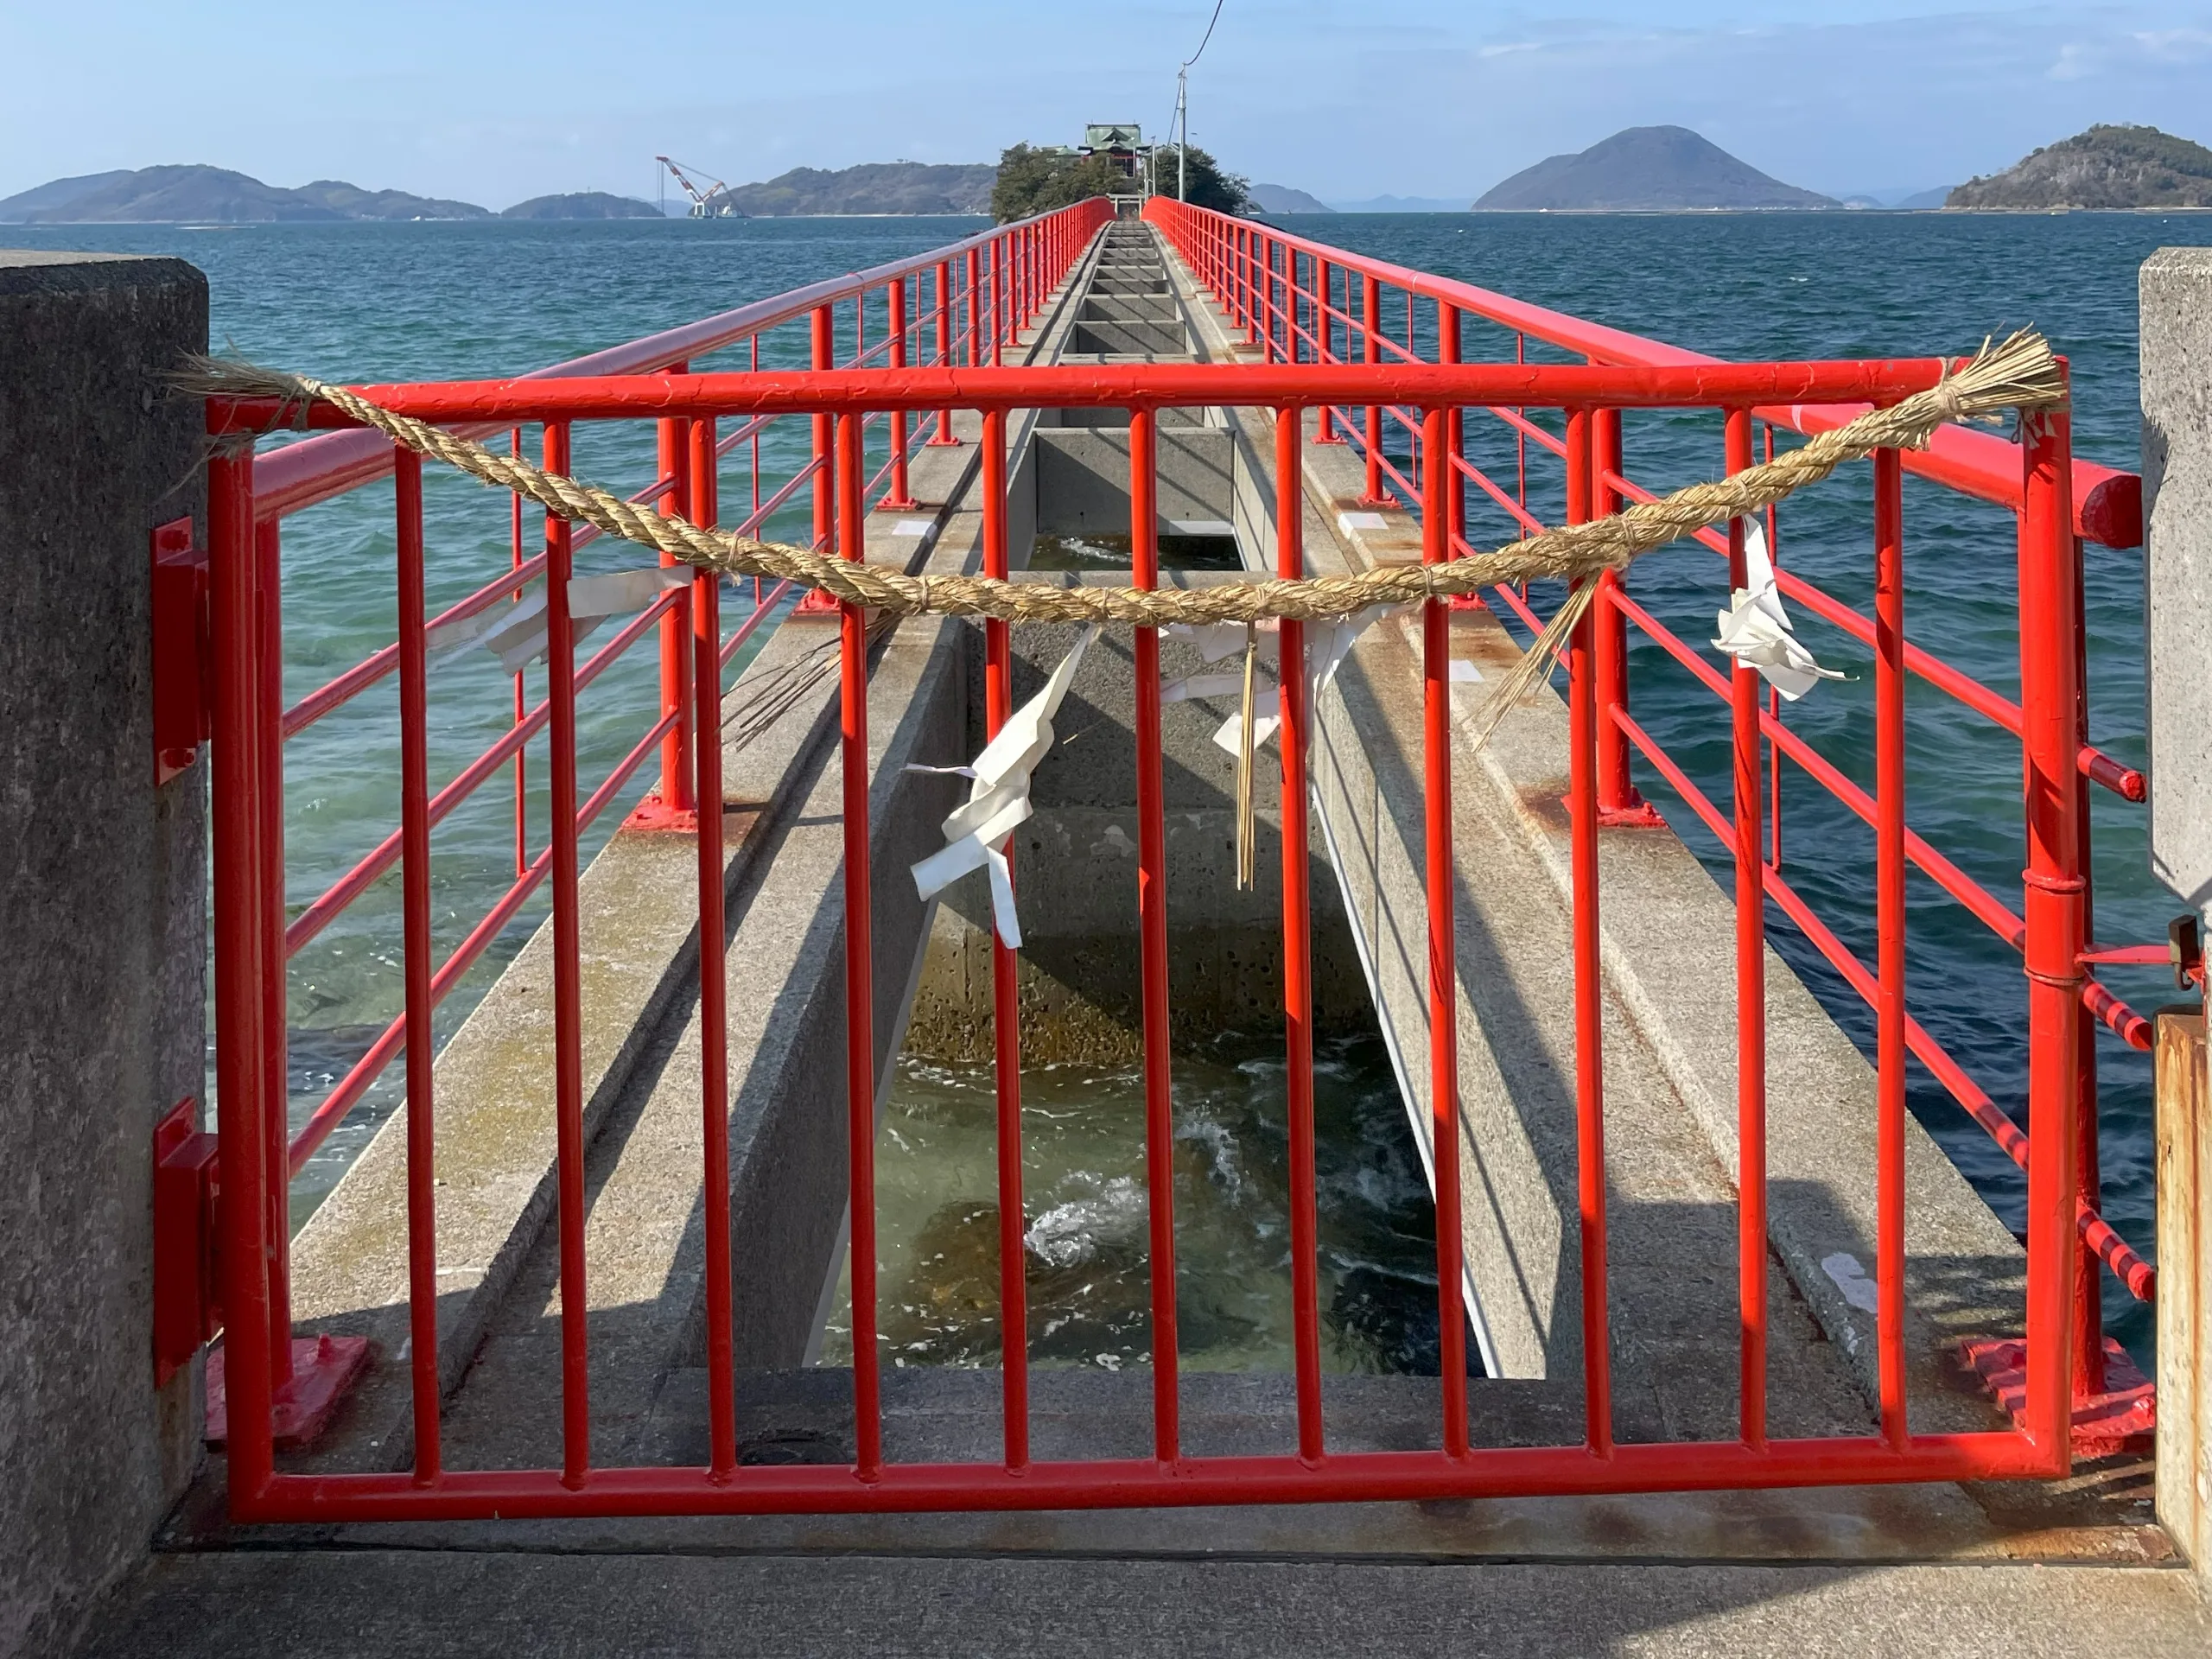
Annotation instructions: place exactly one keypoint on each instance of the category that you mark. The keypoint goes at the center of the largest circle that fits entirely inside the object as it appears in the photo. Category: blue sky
(492, 104)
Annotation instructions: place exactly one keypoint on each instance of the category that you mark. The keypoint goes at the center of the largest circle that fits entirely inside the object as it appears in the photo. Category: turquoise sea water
(368, 302)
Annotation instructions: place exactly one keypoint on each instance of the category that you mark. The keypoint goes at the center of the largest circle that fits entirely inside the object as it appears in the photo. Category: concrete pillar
(2176, 392)
(103, 923)
(2177, 387)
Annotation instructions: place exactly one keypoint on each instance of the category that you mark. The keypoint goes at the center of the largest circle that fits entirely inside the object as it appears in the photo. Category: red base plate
(324, 1370)
(653, 814)
(816, 603)
(1640, 816)
(2123, 1418)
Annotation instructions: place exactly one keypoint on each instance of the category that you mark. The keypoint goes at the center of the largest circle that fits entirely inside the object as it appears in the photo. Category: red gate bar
(2052, 925)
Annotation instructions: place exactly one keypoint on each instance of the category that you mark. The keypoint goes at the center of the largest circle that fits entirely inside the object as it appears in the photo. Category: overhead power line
(1179, 123)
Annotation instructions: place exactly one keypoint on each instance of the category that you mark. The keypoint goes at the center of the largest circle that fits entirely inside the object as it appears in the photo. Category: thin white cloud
(2076, 61)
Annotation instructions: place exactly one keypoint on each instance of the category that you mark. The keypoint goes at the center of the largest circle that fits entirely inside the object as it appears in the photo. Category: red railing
(844, 401)
(1294, 299)
(1008, 273)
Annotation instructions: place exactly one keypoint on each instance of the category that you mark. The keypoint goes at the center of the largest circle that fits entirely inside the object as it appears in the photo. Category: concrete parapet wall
(2176, 392)
(103, 909)
(1083, 478)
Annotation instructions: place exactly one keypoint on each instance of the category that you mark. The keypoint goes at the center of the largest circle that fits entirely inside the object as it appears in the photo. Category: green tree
(1036, 180)
(1204, 185)
(1033, 181)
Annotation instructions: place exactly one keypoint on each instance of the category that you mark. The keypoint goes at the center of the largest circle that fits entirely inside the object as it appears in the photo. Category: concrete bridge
(2071, 1565)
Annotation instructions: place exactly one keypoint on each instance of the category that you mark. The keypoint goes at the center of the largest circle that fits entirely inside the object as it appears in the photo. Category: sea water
(365, 302)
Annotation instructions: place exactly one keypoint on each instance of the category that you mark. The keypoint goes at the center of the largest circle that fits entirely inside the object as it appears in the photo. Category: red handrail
(2108, 503)
(300, 474)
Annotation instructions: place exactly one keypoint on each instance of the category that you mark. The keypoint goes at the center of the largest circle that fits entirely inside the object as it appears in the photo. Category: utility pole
(1183, 132)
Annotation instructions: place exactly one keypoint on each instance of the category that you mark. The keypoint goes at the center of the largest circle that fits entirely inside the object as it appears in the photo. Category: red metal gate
(1283, 291)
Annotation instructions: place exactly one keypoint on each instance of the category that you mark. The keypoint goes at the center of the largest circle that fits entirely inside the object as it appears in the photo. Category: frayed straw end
(2019, 372)
(224, 377)
(1536, 662)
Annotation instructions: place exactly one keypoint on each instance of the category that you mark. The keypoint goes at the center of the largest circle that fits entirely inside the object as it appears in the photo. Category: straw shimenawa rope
(2018, 373)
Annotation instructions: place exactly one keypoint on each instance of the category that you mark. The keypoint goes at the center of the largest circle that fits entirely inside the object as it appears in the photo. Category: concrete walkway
(304, 1604)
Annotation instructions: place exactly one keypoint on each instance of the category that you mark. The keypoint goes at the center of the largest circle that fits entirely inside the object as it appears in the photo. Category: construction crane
(712, 203)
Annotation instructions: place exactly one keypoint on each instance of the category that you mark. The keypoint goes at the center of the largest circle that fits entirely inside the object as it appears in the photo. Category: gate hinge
(2185, 948)
(186, 1311)
(181, 714)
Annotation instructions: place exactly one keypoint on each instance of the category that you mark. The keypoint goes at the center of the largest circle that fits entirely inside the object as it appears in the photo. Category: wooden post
(2184, 1162)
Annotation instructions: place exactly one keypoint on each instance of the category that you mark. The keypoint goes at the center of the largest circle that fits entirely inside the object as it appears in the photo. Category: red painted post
(1375, 495)
(713, 989)
(567, 988)
(1005, 995)
(1295, 738)
(521, 693)
(1152, 926)
(1453, 498)
(240, 967)
(998, 300)
(859, 1006)
(417, 946)
(1521, 439)
(1271, 299)
(675, 460)
(1773, 696)
(2088, 1326)
(1256, 294)
(823, 355)
(901, 498)
(975, 306)
(2055, 899)
(1589, 988)
(275, 1073)
(1619, 803)
(1746, 688)
(1440, 874)
(1890, 942)
(943, 437)
(1281, 262)
(1324, 327)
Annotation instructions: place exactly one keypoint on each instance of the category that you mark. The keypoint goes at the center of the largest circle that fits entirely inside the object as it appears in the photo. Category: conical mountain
(1645, 170)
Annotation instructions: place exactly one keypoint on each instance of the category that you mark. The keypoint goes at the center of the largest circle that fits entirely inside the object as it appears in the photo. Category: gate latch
(181, 722)
(187, 1314)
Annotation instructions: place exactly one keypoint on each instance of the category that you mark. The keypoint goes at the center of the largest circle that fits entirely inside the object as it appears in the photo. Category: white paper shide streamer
(1755, 629)
(998, 799)
(1327, 644)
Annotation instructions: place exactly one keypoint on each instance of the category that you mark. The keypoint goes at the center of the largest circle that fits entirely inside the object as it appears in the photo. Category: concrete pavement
(307, 1604)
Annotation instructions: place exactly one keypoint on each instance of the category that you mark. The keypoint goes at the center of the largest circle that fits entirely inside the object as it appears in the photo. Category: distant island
(2106, 167)
(213, 195)
(1281, 199)
(871, 188)
(1645, 170)
(583, 204)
